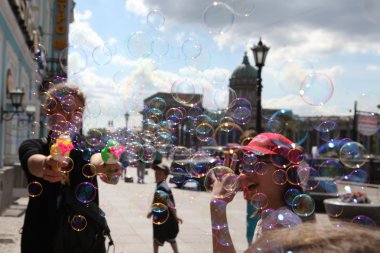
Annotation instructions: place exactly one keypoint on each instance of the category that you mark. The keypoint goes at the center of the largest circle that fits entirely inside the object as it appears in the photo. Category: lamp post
(126, 115)
(260, 52)
(355, 126)
(16, 100)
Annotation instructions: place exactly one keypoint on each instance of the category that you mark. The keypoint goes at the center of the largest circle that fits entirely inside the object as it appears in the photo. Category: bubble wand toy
(61, 149)
(110, 155)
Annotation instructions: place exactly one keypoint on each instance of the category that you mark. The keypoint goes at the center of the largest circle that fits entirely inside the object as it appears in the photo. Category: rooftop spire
(245, 59)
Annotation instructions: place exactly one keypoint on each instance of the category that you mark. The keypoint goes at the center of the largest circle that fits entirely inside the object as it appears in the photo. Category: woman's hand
(108, 173)
(50, 172)
(45, 167)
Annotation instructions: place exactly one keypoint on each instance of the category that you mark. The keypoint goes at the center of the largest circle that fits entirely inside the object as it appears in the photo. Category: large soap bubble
(353, 155)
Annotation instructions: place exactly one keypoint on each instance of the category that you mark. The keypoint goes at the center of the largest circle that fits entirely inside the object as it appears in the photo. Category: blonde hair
(60, 90)
(311, 237)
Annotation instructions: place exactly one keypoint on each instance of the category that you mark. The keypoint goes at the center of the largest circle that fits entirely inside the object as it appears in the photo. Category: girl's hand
(225, 188)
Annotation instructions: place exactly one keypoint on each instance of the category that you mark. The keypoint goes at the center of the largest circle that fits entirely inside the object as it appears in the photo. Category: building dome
(244, 70)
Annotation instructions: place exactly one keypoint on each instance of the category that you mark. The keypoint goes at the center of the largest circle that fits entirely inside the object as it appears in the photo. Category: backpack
(81, 227)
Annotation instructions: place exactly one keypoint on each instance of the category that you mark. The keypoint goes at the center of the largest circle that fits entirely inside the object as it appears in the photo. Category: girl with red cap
(273, 183)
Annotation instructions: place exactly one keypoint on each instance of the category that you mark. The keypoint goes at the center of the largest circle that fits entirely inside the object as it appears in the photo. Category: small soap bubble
(353, 155)
(89, 170)
(191, 185)
(78, 222)
(160, 213)
(73, 60)
(85, 192)
(334, 210)
(34, 189)
(303, 205)
(94, 137)
(102, 55)
(191, 48)
(279, 177)
(364, 220)
(69, 165)
(140, 44)
(203, 131)
(331, 168)
(290, 195)
(259, 200)
(155, 19)
(243, 7)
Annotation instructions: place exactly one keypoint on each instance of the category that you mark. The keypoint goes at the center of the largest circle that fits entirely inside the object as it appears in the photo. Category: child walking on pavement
(165, 219)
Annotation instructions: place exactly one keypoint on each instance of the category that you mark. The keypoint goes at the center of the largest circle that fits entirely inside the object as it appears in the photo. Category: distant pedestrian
(165, 219)
(141, 165)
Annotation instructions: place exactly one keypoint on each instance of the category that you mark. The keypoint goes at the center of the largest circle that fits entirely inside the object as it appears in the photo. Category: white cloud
(334, 72)
(137, 6)
(122, 61)
(222, 40)
(81, 33)
(311, 28)
(86, 15)
(373, 68)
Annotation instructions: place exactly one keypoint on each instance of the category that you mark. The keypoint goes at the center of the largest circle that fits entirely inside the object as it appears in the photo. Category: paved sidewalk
(126, 206)
(10, 227)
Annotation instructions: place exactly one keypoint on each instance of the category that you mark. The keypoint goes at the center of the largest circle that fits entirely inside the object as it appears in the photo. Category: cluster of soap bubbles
(341, 165)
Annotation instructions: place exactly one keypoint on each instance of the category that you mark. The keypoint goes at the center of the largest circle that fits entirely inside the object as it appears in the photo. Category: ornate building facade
(33, 33)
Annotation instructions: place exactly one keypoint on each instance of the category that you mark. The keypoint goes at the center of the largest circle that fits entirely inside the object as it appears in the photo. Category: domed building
(243, 83)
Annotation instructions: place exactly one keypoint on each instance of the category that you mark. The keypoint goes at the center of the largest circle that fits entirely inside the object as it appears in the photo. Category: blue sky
(338, 39)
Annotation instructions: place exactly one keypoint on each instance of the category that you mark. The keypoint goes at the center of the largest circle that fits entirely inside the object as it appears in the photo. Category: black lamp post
(16, 100)
(260, 52)
(355, 126)
(126, 115)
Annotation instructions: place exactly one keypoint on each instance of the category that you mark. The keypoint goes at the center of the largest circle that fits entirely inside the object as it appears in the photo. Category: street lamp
(126, 115)
(260, 52)
(355, 126)
(16, 100)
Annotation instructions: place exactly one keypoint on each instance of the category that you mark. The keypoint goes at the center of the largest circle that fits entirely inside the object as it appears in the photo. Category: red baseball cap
(265, 143)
